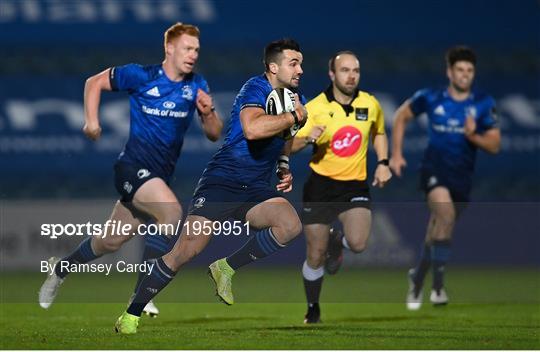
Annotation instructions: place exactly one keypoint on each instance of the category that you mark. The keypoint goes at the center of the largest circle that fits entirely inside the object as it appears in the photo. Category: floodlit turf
(490, 309)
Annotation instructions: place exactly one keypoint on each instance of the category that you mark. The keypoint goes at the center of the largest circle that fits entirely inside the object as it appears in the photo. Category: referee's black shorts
(325, 198)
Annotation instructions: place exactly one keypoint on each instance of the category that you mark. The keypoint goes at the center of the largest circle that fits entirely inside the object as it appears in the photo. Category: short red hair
(177, 29)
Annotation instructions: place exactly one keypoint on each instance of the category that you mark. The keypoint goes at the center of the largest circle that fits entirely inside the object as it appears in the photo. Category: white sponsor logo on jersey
(187, 92)
(453, 122)
(142, 173)
(199, 202)
(169, 105)
(128, 187)
(153, 92)
(439, 110)
(346, 142)
(164, 113)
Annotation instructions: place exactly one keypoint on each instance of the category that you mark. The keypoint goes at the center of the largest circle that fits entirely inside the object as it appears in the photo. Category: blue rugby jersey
(161, 111)
(241, 161)
(448, 151)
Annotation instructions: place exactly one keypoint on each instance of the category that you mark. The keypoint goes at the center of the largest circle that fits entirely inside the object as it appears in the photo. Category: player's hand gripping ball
(282, 100)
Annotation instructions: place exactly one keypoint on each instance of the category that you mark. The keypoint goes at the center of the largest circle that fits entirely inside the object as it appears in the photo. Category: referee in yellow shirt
(342, 120)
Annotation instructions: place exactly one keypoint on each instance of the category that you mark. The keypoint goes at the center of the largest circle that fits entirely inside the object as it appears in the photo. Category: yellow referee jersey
(342, 148)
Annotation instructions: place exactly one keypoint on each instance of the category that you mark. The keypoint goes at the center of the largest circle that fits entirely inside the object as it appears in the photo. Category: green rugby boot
(221, 273)
(127, 324)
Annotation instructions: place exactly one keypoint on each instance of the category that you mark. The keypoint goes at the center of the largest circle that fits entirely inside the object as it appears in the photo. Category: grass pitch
(361, 309)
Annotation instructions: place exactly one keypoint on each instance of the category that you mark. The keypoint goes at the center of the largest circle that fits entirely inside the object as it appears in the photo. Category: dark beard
(343, 91)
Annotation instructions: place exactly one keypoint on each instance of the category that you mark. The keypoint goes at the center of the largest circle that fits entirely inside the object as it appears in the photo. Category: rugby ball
(282, 100)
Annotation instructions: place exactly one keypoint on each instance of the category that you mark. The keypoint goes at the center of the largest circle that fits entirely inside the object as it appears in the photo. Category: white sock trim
(311, 274)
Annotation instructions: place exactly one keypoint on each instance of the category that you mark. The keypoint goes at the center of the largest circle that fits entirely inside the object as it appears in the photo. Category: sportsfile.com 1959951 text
(118, 228)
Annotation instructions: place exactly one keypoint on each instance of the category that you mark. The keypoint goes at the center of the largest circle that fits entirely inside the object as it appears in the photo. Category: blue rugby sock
(150, 286)
(83, 254)
(154, 247)
(440, 253)
(260, 245)
(422, 267)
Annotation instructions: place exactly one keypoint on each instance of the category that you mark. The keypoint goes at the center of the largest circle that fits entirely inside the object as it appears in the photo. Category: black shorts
(128, 178)
(219, 199)
(429, 179)
(325, 198)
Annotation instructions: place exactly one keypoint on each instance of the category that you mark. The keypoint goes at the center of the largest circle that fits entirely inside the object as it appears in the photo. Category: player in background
(163, 99)
(461, 120)
(236, 184)
(342, 121)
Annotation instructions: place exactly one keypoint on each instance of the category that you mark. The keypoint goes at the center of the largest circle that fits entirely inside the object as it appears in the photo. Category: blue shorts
(219, 199)
(429, 179)
(128, 178)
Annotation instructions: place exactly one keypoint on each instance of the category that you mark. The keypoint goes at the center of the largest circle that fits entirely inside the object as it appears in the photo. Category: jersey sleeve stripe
(112, 79)
(252, 105)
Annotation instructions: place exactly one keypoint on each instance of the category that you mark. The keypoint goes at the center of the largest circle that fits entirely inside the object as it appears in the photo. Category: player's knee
(289, 229)
(315, 257)
(445, 220)
(293, 227)
(357, 245)
(445, 215)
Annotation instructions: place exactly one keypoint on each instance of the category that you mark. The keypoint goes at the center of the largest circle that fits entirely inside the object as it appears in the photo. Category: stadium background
(51, 173)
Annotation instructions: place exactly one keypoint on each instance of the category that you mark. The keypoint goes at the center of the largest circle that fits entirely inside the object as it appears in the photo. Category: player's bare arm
(256, 124)
(211, 122)
(402, 117)
(382, 172)
(489, 141)
(92, 94)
